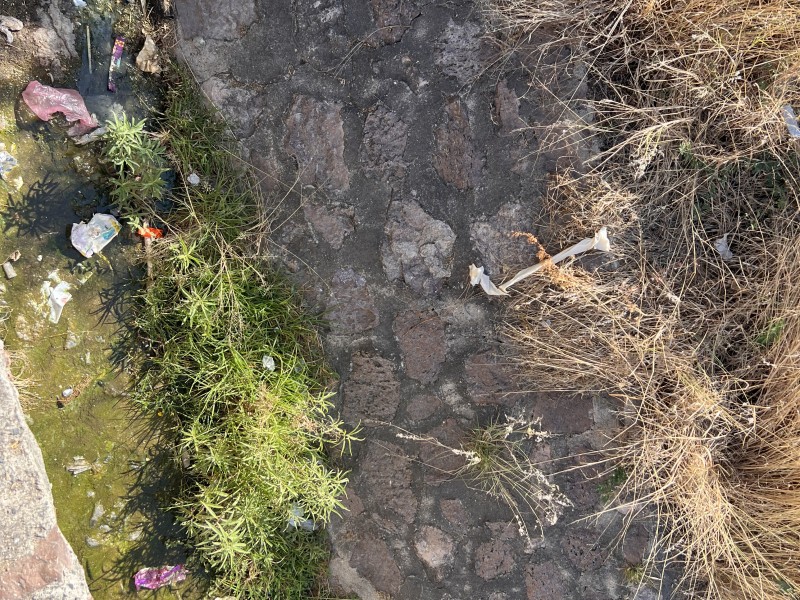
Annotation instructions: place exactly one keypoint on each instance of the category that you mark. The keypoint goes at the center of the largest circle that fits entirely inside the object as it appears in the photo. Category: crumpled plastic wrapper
(45, 101)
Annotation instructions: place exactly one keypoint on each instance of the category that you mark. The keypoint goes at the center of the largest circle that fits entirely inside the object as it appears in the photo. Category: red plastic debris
(151, 233)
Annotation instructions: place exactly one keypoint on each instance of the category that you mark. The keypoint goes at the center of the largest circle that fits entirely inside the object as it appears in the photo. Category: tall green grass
(251, 439)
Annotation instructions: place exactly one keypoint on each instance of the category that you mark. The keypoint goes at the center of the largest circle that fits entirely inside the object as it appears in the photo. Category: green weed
(610, 486)
(258, 488)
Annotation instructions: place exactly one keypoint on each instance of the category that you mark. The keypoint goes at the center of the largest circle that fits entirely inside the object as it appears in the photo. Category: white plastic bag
(90, 238)
(59, 296)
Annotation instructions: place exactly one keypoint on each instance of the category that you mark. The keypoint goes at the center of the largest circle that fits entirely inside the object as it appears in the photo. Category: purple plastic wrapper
(116, 60)
(157, 577)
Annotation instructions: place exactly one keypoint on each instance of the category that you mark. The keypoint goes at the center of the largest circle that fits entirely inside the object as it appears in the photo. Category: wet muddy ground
(72, 373)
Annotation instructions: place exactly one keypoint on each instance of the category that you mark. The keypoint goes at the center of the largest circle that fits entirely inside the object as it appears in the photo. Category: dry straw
(694, 322)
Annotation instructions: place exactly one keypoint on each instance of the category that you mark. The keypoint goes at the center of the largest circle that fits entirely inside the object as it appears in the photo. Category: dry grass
(703, 350)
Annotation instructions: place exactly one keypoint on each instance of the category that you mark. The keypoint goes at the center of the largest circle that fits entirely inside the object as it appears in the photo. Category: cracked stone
(494, 559)
(506, 107)
(423, 406)
(372, 392)
(393, 18)
(315, 137)
(456, 160)
(215, 19)
(417, 249)
(385, 483)
(240, 106)
(562, 413)
(490, 380)
(333, 223)
(544, 580)
(441, 462)
(453, 510)
(420, 335)
(350, 307)
(459, 52)
(635, 545)
(385, 137)
(434, 548)
(582, 550)
(374, 561)
(500, 250)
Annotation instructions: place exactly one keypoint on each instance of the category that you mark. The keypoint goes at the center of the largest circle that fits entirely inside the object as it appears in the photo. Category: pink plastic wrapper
(156, 577)
(46, 101)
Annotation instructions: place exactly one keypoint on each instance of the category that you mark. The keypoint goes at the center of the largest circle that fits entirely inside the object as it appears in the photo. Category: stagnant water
(110, 514)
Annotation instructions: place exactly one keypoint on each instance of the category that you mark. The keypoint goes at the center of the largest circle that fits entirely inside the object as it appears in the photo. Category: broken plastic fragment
(59, 296)
(79, 3)
(90, 238)
(147, 59)
(46, 101)
(721, 246)
(477, 276)
(92, 136)
(193, 179)
(297, 519)
(7, 162)
(150, 233)
(9, 24)
(157, 577)
(600, 242)
(268, 363)
(790, 118)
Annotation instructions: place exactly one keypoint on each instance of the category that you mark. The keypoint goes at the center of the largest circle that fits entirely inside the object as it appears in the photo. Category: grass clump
(695, 326)
(232, 367)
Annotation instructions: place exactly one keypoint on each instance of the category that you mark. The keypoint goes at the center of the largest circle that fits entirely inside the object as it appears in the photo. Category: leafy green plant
(234, 369)
(138, 161)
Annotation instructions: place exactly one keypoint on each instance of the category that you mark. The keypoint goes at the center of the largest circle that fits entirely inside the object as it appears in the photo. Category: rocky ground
(395, 149)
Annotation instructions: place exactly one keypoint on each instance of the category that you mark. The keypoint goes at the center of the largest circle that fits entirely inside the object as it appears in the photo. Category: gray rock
(417, 249)
(215, 19)
(457, 160)
(333, 223)
(241, 106)
(35, 560)
(434, 548)
(422, 343)
(544, 580)
(500, 250)
(315, 137)
(494, 559)
(351, 308)
(506, 107)
(97, 514)
(385, 137)
(393, 17)
(459, 52)
(372, 391)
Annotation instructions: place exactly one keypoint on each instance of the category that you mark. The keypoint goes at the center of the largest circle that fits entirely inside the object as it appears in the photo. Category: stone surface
(434, 548)
(457, 160)
(35, 559)
(372, 391)
(635, 544)
(459, 51)
(544, 581)
(423, 406)
(494, 559)
(501, 240)
(242, 106)
(392, 159)
(332, 223)
(581, 548)
(422, 343)
(393, 18)
(385, 138)
(315, 137)
(373, 559)
(417, 249)
(506, 106)
(490, 379)
(386, 476)
(563, 413)
(351, 308)
(215, 19)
